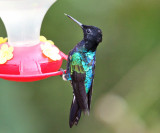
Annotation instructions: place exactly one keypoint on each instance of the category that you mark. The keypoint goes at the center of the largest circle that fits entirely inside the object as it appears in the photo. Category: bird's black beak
(80, 24)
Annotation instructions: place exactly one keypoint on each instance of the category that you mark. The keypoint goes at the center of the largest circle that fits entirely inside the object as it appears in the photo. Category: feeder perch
(25, 56)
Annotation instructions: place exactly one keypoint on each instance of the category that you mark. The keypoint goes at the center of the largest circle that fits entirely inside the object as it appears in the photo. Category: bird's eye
(88, 31)
(99, 31)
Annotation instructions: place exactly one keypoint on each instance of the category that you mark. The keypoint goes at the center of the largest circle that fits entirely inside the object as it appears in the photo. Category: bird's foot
(62, 70)
(63, 74)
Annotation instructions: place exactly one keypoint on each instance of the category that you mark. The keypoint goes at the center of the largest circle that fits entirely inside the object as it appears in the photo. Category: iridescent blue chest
(83, 63)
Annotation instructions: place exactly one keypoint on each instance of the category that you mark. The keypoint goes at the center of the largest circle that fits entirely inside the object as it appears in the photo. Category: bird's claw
(63, 74)
(62, 70)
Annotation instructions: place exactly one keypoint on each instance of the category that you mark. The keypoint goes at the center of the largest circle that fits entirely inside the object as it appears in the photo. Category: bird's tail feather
(75, 113)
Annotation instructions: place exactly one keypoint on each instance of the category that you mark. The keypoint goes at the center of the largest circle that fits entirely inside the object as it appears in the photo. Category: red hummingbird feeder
(27, 56)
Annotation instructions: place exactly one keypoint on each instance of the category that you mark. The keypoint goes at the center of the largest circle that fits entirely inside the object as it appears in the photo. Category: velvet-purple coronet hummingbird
(81, 70)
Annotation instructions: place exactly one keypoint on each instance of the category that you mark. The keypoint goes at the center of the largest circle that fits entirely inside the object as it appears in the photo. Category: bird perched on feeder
(80, 70)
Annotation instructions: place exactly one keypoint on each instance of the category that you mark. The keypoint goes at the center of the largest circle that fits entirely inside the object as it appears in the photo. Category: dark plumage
(81, 69)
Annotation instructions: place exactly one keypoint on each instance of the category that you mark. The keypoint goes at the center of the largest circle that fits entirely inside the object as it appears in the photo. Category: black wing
(78, 83)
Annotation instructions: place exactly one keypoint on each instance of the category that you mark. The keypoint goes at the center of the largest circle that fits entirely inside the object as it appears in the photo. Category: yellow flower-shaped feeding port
(6, 53)
(50, 51)
(43, 39)
(3, 40)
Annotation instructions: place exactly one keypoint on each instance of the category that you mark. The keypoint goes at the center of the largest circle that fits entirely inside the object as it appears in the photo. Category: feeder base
(30, 64)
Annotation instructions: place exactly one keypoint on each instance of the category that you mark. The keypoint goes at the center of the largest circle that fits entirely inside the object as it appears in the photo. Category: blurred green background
(126, 96)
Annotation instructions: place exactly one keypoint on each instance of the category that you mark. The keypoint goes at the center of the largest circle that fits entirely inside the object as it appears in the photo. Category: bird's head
(92, 34)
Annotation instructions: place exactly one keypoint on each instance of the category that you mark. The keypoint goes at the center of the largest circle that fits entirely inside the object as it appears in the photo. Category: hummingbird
(80, 71)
